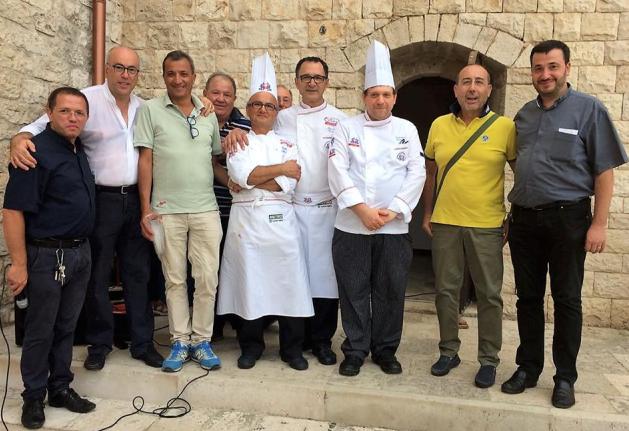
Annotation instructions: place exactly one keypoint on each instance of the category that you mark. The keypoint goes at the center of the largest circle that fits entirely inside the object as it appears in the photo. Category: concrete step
(414, 400)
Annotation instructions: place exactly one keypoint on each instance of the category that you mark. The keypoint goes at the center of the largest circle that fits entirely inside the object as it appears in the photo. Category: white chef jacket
(380, 164)
(312, 130)
(263, 271)
(107, 138)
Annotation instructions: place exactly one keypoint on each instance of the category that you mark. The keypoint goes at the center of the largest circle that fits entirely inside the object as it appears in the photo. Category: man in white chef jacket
(310, 124)
(376, 172)
(263, 272)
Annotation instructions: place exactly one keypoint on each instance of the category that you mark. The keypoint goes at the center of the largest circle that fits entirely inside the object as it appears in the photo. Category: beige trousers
(200, 235)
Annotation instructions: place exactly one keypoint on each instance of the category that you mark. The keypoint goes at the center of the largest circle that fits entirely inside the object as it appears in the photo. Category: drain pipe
(99, 17)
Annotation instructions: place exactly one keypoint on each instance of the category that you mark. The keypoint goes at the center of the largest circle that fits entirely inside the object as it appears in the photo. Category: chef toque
(378, 66)
(263, 75)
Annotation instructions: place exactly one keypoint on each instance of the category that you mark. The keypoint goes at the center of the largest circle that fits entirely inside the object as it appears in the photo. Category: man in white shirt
(376, 172)
(310, 125)
(108, 142)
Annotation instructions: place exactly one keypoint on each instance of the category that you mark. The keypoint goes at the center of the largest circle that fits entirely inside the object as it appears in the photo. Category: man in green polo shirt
(466, 219)
(176, 169)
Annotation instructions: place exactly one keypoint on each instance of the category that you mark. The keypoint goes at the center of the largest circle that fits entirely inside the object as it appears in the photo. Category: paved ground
(414, 400)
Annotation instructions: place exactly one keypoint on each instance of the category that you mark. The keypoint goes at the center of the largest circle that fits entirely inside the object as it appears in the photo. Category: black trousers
(251, 336)
(372, 273)
(549, 241)
(51, 317)
(118, 229)
(320, 328)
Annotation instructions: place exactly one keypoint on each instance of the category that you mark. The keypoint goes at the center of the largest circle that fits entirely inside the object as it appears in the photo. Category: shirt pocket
(564, 145)
(399, 155)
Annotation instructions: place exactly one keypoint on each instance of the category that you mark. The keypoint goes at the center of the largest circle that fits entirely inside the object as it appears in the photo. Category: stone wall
(226, 34)
(44, 44)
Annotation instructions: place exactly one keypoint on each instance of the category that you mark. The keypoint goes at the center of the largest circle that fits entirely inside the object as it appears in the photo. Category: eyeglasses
(317, 78)
(259, 105)
(192, 121)
(121, 68)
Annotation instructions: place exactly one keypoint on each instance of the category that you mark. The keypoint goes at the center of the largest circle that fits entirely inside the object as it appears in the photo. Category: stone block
(204, 62)
(625, 105)
(603, 262)
(619, 221)
(586, 53)
(282, 9)
(519, 6)
(447, 28)
(252, 34)
(431, 27)
(346, 80)
(484, 6)
(616, 205)
(326, 33)
(516, 96)
(447, 6)
(622, 81)
(567, 26)
(508, 280)
(288, 34)
(347, 9)
(509, 310)
(485, 39)
(505, 49)
(349, 98)
(358, 28)
(519, 75)
(356, 52)
(212, 10)
(550, 6)
(134, 35)
(623, 26)
(466, 34)
(612, 6)
(149, 10)
(318, 9)
(416, 29)
(596, 312)
(288, 60)
(244, 10)
(337, 62)
(410, 7)
(397, 33)
(617, 52)
(183, 10)
(619, 315)
(193, 35)
(473, 18)
(538, 26)
(512, 23)
(579, 5)
(222, 34)
(524, 60)
(587, 289)
(613, 103)
(623, 132)
(599, 26)
(617, 241)
(163, 36)
(377, 8)
(625, 262)
(610, 285)
(233, 61)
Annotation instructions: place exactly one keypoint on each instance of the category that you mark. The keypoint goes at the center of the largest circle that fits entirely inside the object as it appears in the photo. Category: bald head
(474, 69)
(118, 52)
(472, 90)
(122, 70)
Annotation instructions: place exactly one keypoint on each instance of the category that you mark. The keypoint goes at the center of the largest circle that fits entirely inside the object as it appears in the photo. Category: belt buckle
(123, 190)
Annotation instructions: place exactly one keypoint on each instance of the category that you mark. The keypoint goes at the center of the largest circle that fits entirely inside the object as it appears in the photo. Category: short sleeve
(143, 135)
(511, 142)
(23, 192)
(216, 137)
(604, 147)
(429, 151)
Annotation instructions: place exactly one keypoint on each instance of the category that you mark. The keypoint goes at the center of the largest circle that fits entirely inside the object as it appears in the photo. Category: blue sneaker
(203, 354)
(179, 353)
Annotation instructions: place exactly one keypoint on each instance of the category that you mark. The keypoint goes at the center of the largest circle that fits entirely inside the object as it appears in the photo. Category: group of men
(344, 187)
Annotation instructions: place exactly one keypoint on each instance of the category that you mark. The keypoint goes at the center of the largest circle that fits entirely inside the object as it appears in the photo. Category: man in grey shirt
(567, 148)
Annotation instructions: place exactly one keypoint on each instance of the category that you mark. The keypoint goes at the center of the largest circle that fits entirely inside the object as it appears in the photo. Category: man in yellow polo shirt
(465, 160)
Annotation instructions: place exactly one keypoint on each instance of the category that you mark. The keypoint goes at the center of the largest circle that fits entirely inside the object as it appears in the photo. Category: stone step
(414, 400)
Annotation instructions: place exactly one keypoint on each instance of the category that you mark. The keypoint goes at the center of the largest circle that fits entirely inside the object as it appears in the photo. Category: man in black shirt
(49, 212)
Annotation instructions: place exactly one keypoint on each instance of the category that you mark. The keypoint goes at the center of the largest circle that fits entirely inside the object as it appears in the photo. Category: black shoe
(151, 357)
(388, 364)
(94, 361)
(563, 394)
(246, 361)
(33, 414)
(325, 355)
(485, 377)
(70, 400)
(350, 366)
(444, 365)
(298, 363)
(519, 381)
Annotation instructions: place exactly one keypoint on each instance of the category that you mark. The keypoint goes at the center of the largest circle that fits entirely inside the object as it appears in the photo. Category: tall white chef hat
(378, 66)
(263, 75)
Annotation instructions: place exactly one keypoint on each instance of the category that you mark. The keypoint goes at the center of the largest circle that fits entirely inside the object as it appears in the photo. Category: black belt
(123, 190)
(56, 243)
(554, 205)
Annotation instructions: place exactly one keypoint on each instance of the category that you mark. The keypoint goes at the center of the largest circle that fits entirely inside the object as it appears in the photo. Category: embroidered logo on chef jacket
(401, 156)
(330, 121)
(265, 86)
(286, 143)
(326, 204)
(354, 142)
(307, 200)
(401, 140)
(276, 218)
